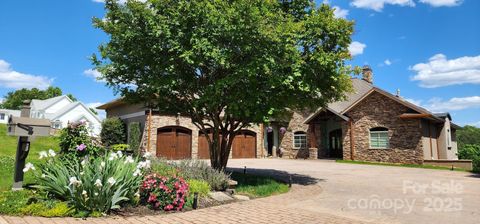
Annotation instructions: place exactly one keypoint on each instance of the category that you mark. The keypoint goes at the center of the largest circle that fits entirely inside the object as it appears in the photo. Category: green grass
(401, 165)
(8, 147)
(258, 186)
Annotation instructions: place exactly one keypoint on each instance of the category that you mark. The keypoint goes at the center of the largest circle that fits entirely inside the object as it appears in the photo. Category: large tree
(225, 63)
(14, 99)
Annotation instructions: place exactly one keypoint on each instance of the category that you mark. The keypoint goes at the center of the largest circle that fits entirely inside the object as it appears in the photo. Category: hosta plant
(94, 185)
(167, 193)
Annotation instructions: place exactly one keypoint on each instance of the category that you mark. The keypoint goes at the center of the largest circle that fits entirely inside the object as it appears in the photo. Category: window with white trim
(379, 138)
(299, 140)
(2, 116)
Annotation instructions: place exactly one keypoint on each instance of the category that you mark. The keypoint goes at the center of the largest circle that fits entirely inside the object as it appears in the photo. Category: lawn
(258, 186)
(8, 147)
(401, 165)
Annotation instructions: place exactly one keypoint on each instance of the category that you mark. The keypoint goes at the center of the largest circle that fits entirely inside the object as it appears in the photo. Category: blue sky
(429, 49)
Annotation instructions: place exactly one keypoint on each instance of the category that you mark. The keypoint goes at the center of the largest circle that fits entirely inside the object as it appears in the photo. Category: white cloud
(387, 62)
(339, 12)
(356, 48)
(477, 124)
(101, 113)
(95, 74)
(439, 3)
(439, 71)
(378, 5)
(17, 80)
(414, 101)
(456, 103)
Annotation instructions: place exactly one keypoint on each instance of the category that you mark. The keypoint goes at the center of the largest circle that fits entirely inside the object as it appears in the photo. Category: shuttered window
(379, 138)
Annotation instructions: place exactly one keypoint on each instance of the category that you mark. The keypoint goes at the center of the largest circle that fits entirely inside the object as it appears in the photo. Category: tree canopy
(225, 64)
(468, 135)
(14, 99)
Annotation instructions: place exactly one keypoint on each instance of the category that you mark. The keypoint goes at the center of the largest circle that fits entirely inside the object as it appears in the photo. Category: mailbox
(25, 126)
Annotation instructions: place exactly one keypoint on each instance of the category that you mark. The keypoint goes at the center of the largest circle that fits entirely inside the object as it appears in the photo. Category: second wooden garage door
(174, 143)
(245, 145)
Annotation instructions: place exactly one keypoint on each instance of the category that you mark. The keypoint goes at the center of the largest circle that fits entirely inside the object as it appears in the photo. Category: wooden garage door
(203, 149)
(174, 143)
(244, 145)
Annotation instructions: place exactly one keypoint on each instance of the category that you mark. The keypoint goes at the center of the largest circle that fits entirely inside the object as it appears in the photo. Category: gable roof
(360, 88)
(43, 104)
(71, 106)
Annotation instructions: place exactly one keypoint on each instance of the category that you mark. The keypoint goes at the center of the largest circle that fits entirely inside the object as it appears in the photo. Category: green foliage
(113, 132)
(26, 202)
(199, 186)
(258, 186)
(161, 167)
(199, 57)
(120, 147)
(75, 139)
(11, 202)
(93, 111)
(199, 170)
(47, 209)
(472, 152)
(468, 135)
(95, 185)
(74, 99)
(14, 100)
(134, 136)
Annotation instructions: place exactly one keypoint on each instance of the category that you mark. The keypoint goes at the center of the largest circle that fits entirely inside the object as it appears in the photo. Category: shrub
(200, 170)
(113, 132)
(199, 186)
(120, 147)
(134, 137)
(96, 185)
(167, 193)
(75, 139)
(471, 151)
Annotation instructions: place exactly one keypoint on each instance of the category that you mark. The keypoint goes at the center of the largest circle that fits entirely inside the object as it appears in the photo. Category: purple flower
(81, 147)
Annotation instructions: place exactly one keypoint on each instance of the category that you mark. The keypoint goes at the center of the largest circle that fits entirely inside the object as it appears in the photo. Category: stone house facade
(369, 125)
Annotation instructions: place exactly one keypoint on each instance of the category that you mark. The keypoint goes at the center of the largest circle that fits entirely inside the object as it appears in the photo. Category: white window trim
(300, 134)
(370, 139)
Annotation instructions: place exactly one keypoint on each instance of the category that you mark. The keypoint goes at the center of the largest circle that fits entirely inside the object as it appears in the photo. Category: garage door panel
(244, 145)
(174, 143)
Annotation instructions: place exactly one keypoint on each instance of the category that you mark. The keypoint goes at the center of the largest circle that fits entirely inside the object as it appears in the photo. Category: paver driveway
(351, 190)
(329, 192)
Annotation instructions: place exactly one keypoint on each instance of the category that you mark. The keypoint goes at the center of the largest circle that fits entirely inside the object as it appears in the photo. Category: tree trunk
(220, 148)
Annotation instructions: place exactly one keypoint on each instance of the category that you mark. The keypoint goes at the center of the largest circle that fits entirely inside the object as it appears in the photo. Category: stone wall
(286, 142)
(405, 135)
(159, 121)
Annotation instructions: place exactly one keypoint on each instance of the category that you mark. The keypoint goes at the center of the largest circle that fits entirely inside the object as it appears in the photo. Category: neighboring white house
(4, 114)
(61, 110)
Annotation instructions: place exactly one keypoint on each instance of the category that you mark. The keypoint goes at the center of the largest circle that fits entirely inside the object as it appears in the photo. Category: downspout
(352, 141)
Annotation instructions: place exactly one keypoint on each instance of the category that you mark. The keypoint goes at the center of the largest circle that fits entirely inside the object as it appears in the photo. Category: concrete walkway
(329, 192)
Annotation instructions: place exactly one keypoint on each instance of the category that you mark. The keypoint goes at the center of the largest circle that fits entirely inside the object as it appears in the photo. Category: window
(379, 138)
(299, 140)
(2, 116)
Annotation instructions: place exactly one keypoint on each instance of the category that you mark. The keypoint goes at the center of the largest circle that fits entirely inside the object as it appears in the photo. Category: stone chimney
(367, 74)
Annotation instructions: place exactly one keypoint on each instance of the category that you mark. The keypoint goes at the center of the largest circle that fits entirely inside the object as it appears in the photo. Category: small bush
(199, 186)
(96, 185)
(200, 170)
(120, 147)
(75, 139)
(134, 137)
(113, 132)
(167, 193)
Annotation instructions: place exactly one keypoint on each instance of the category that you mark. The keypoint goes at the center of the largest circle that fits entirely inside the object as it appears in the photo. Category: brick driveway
(329, 192)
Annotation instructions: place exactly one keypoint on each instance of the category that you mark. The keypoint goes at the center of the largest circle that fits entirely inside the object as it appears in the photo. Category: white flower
(137, 194)
(137, 172)
(148, 163)
(98, 183)
(102, 164)
(43, 175)
(84, 193)
(81, 173)
(84, 161)
(111, 181)
(119, 153)
(43, 154)
(129, 159)
(74, 181)
(147, 155)
(28, 166)
(51, 153)
(96, 194)
(113, 156)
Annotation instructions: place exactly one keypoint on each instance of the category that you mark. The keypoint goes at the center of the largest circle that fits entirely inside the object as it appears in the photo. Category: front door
(335, 143)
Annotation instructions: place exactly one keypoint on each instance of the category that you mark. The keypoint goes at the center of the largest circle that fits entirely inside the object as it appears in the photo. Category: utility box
(25, 126)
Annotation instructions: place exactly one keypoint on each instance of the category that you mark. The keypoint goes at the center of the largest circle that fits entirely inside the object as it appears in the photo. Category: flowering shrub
(93, 185)
(167, 193)
(74, 139)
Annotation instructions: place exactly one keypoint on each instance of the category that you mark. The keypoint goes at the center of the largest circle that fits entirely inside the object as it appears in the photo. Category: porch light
(283, 130)
(269, 129)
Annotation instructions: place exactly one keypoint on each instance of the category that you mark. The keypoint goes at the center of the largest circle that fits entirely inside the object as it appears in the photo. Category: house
(369, 125)
(5, 113)
(61, 110)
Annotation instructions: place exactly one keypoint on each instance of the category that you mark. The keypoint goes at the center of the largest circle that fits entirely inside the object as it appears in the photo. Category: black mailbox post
(25, 127)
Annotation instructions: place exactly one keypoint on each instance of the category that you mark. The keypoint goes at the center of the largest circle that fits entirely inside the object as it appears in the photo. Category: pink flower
(81, 147)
